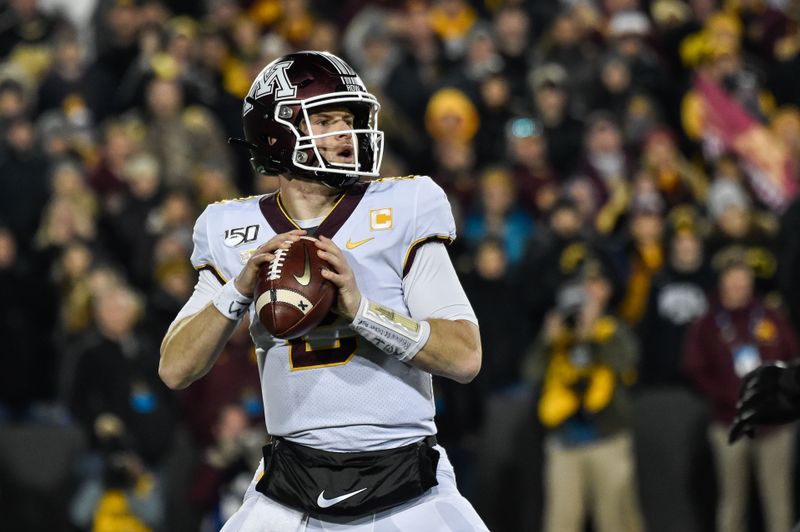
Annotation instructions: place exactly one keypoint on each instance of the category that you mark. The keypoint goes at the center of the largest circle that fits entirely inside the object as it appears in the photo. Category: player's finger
(333, 277)
(751, 399)
(294, 234)
(735, 433)
(747, 417)
(750, 393)
(738, 429)
(337, 262)
(259, 259)
(280, 241)
(274, 245)
(326, 244)
(742, 425)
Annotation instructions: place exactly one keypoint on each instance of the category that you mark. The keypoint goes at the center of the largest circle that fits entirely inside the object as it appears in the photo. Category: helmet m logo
(272, 79)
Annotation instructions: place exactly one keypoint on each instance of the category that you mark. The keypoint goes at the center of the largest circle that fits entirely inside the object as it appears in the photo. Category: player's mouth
(345, 155)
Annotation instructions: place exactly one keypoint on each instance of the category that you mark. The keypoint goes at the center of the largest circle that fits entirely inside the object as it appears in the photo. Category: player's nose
(341, 128)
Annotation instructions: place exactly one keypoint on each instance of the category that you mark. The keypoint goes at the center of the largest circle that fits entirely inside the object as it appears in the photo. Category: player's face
(336, 148)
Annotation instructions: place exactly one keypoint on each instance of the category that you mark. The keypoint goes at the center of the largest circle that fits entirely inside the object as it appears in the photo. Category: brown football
(291, 296)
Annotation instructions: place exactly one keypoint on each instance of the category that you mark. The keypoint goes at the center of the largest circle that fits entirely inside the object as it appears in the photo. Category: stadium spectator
(13, 100)
(536, 182)
(512, 33)
(490, 281)
(26, 25)
(24, 186)
(222, 477)
(498, 216)
(182, 137)
(496, 106)
(642, 254)
(554, 255)
(609, 168)
(116, 374)
(422, 66)
(125, 495)
(615, 86)
(567, 44)
(452, 21)
(678, 296)
(564, 133)
(74, 85)
(28, 354)
(736, 335)
(677, 180)
(582, 363)
(628, 32)
(452, 121)
(740, 229)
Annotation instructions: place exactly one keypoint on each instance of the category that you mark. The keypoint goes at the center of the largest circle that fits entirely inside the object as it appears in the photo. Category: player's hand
(769, 395)
(245, 282)
(342, 276)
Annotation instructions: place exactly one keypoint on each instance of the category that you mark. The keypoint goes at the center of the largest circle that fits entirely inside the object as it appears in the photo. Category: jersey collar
(281, 222)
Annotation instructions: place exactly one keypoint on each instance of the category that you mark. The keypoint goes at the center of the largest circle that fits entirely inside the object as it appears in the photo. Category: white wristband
(230, 302)
(395, 334)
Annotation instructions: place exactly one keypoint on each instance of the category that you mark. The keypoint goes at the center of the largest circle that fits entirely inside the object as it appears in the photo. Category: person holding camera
(124, 493)
(582, 364)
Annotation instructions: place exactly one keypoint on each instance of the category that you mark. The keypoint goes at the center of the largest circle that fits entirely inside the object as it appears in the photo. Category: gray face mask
(609, 165)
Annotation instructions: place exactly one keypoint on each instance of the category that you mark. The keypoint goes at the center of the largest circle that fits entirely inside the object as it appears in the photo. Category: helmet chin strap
(331, 179)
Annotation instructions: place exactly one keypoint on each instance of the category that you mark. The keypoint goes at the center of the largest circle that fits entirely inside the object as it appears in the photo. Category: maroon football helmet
(282, 97)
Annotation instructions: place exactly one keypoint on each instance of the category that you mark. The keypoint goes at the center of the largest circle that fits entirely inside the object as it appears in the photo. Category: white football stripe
(283, 295)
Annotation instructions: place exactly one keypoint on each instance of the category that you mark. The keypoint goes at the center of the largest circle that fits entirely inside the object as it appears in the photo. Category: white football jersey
(333, 389)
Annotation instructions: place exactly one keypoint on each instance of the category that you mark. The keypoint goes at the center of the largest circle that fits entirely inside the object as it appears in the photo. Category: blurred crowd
(624, 176)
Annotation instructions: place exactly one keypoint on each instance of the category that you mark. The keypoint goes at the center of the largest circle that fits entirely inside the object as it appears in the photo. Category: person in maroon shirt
(734, 337)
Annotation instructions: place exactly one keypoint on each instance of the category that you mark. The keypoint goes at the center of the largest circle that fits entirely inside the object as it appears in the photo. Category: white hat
(628, 23)
(724, 194)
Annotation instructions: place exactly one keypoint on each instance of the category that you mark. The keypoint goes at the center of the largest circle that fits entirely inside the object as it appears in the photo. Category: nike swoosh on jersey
(322, 502)
(306, 277)
(353, 245)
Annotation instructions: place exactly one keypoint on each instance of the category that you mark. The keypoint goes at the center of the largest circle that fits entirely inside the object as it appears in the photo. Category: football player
(349, 406)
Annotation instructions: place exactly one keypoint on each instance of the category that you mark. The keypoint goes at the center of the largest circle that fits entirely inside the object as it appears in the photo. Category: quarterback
(349, 406)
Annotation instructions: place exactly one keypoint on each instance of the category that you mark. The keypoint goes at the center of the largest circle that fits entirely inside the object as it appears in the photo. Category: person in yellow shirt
(582, 364)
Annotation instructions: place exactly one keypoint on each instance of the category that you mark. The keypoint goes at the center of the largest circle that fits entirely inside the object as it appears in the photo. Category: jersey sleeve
(433, 220)
(202, 255)
(432, 289)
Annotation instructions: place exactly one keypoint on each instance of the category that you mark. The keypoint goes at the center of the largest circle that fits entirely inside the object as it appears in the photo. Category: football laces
(275, 265)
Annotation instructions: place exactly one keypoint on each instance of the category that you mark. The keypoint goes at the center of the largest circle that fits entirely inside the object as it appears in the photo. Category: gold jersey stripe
(213, 270)
(291, 220)
(412, 249)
